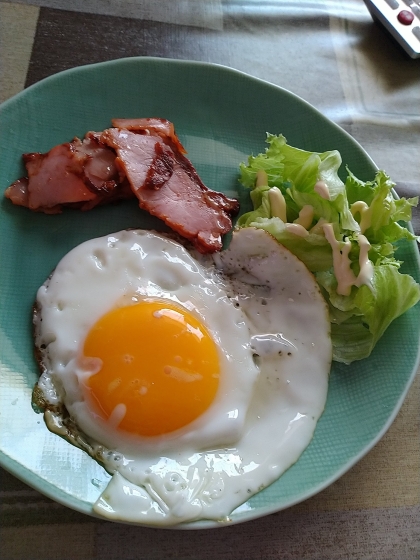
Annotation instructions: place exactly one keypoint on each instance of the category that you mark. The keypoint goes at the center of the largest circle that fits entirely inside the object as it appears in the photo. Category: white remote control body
(402, 19)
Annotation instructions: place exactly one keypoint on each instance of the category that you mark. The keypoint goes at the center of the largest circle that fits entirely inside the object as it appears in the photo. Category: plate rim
(58, 495)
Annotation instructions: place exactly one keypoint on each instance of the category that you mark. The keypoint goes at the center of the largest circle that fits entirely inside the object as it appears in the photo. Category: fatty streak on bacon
(158, 127)
(167, 186)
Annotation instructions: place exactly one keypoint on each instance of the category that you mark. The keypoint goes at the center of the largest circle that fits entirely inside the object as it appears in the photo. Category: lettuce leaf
(367, 312)
(358, 211)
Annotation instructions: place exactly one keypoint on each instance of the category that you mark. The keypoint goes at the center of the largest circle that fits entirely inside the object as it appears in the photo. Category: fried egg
(195, 380)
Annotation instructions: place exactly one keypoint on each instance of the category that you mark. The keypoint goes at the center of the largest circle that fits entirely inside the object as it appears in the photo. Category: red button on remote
(405, 17)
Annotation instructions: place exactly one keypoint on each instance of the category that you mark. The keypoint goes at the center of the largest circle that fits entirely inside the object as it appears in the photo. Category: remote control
(402, 19)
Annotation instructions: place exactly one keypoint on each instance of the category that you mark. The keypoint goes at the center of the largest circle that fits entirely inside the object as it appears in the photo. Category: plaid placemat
(334, 56)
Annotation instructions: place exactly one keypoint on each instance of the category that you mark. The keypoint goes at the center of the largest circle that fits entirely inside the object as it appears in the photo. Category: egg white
(122, 269)
(261, 306)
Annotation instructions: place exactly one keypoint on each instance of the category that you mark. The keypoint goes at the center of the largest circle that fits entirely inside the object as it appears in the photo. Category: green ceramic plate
(221, 116)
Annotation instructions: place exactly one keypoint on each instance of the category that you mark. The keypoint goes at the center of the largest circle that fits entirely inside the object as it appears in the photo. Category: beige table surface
(333, 55)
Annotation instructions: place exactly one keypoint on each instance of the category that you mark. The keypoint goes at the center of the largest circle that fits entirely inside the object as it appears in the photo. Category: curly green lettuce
(361, 213)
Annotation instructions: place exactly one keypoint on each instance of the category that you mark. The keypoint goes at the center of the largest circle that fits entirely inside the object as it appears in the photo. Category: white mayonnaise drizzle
(277, 203)
(341, 262)
(318, 227)
(321, 188)
(306, 215)
(262, 178)
(297, 229)
(360, 207)
(366, 267)
(278, 210)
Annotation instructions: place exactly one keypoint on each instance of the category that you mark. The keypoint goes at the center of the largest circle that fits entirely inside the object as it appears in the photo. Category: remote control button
(405, 17)
(392, 4)
(416, 32)
(413, 4)
(416, 10)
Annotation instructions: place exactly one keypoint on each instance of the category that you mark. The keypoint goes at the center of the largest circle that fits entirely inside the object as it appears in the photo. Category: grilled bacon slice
(140, 158)
(77, 174)
(167, 186)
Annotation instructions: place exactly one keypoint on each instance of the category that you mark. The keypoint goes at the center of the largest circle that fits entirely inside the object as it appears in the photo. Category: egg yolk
(160, 367)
